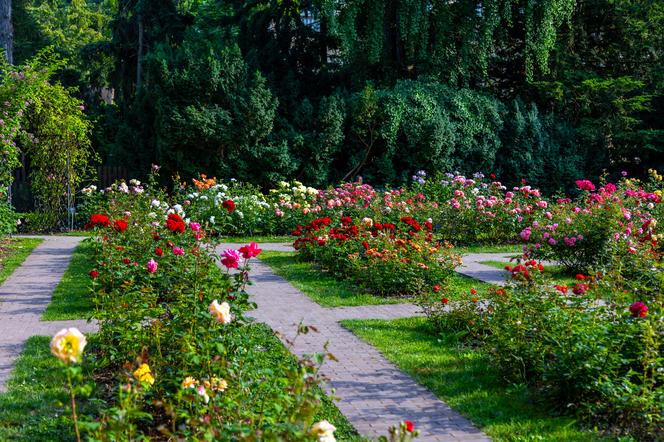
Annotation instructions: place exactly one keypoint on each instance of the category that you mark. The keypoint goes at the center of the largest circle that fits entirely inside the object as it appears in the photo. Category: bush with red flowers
(387, 259)
(586, 350)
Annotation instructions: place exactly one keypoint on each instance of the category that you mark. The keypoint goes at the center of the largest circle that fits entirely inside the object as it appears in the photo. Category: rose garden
(331, 221)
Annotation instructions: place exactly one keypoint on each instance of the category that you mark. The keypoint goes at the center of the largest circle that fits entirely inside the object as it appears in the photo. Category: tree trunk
(6, 30)
(139, 58)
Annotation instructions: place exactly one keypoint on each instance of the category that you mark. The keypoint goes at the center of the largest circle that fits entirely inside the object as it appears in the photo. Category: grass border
(22, 248)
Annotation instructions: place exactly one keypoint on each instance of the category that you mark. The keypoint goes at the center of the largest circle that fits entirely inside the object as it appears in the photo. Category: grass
(87, 233)
(559, 274)
(71, 298)
(329, 291)
(467, 381)
(319, 285)
(33, 407)
(13, 251)
(258, 238)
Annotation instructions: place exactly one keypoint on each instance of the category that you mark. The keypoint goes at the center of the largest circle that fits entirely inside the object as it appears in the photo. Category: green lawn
(557, 273)
(32, 409)
(319, 285)
(13, 252)
(329, 291)
(71, 298)
(467, 381)
(498, 248)
(258, 239)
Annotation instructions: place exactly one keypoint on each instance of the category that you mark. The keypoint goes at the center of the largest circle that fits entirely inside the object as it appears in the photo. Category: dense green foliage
(322, 90)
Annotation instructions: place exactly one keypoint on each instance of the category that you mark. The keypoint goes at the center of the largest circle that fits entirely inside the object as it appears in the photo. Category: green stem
(73, 406)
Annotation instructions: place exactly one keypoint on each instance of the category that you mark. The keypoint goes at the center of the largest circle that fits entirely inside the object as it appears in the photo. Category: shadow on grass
(319, 285)
(71, 298)
(467, 381)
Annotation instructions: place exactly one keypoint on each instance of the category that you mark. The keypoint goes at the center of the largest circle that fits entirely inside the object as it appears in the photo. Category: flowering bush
(587, 349)
(388, 259)
(173, 332)
(603, 226)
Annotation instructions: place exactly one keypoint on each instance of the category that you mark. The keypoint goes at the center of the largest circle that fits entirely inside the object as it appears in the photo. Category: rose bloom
(638, 309)
(367, 222)
(94, 274)
(410, 427)
(158, 251)
(324, 431)
(152, 266)
(229, 205)
(220, 312)
(68, 344)
(143, 374)
(230, 258)
(120, 225)
(196, 227)
(178, 251)
(250, 250)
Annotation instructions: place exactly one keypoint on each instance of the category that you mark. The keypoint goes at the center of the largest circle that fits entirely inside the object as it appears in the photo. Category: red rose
(158, 251)
(94, 274)
(410, 427)
(580, 277)
(638, 309)
(436, 288)
(175, 224)
(444, 300)
(492, 176)
(126, 261)
(120, 225)
(365, 245)
(229, 205)
(473, 292)
(98, 220)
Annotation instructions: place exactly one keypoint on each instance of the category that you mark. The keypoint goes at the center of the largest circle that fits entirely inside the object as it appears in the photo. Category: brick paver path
(25, 295)
(374, 394)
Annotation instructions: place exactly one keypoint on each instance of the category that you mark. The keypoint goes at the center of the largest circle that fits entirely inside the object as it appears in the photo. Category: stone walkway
(374, 393)
(25, 295)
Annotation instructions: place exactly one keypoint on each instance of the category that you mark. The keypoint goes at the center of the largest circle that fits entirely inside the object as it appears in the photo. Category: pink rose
(230, 258)
(152, 266)
(178, 251)
(196, 227)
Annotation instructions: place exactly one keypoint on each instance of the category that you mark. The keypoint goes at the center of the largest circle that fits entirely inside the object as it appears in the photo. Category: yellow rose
(220, 312)
(68, 344)
(189, 382)
(219, 384)
(324, 431)
(144, 374)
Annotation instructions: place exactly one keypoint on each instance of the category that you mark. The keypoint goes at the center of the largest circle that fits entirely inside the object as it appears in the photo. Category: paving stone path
(374, 394)
(25, 295)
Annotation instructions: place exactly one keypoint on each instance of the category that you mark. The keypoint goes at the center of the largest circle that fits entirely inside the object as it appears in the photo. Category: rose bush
(387, 259)
(592, 349)
(173, 333)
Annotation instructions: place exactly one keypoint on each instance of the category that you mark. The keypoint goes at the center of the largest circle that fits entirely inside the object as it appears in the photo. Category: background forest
(325, 90)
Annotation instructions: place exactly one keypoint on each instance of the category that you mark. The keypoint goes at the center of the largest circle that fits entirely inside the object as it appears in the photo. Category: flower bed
(388, 259)
(589, 349)
(174, 350)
